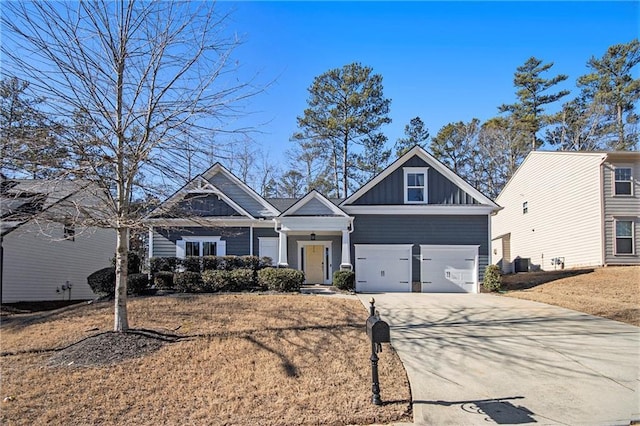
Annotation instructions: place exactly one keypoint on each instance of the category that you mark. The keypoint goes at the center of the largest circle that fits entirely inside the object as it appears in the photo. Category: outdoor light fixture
(313, 236)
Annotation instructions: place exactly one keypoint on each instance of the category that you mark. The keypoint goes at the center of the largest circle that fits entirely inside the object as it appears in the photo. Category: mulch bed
(110, 348)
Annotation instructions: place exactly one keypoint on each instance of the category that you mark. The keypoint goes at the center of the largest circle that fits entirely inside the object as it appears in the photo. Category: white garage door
(383, 267)
(449, 269)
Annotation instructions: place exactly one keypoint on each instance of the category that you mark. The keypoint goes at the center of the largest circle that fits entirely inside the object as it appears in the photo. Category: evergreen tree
(415, 134)
(373, 159)
(532, 96)
(456, 146)
(612, 86)
(346, 106)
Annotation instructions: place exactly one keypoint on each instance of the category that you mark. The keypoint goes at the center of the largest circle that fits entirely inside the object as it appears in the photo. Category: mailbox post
(378, 332)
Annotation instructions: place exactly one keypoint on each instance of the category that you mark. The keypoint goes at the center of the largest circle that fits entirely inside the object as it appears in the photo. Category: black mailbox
(378, 330)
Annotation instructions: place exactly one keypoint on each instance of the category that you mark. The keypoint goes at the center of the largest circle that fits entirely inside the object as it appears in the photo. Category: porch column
(283, 260)
(346, 251)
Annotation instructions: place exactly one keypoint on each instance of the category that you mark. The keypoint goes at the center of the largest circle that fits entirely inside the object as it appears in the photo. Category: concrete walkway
(485, 359)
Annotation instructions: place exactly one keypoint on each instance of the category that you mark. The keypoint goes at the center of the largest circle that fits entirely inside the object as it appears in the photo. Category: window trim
(181, 252)
(615, 181)
(416, 170)
(631, 237)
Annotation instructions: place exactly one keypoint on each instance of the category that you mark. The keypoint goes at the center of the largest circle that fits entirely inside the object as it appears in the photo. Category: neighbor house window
(200, 246)
(69, 232)
(415, 185)
(525, 207)
(624, 236)
(623, 181)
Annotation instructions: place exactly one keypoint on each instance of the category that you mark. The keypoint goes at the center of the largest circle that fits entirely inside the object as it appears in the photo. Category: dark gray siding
(239, 195)
(390, 191)
(164, 240)
(204, 206)
(408, 229)
(262, 232)
(314, 208)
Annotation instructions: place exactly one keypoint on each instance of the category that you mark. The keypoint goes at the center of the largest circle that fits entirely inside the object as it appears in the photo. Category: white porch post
(283, 259)
(346, 251)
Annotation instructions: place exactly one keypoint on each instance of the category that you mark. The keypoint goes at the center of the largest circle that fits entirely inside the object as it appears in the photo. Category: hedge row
(211, 281)
(208, 263)
(103, 281)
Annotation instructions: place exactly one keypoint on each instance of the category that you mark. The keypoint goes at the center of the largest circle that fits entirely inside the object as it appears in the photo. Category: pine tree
(415, 134)
(528, 112)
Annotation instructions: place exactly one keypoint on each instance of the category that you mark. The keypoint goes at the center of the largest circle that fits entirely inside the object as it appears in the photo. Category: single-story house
(417, 226)
(569, 210)
(46, 253)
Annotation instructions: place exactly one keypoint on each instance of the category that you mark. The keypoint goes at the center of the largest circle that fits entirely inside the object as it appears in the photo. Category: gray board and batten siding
(239, 196)
(423, 229)
(200, 205)
(440, 190)
(314, 208)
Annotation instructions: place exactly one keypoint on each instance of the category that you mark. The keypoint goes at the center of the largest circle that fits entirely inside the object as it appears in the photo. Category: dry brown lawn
(611, 292)
(240, 359)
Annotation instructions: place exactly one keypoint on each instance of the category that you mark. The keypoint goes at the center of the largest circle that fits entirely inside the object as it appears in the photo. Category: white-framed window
(623, 181)
(525, 207)
(200, 246)
(624, 236)
(415, 185)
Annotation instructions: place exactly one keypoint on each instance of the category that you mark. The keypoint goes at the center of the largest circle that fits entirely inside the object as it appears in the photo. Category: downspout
(251, 239)
(150, 254)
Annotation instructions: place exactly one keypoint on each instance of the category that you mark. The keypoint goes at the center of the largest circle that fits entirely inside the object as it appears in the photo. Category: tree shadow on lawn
(527, 280)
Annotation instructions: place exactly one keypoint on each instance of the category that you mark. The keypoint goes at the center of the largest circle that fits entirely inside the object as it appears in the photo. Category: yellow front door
(314, 264)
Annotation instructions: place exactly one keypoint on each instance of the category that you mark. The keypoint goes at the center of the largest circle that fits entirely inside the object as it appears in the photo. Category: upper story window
(623, 181)
(415, 185)
(525, 207)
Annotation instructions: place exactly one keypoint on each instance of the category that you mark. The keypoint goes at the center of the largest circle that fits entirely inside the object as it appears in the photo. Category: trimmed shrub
(243, 279)
(280, 279)
(214, 281)
(250, 262)
(344, 280)
(229, 263)
(492, 278)
(187, 282)
(210, 263)
(192, 264)
(163, 264)
(265, 262)
(163, 280)
(137, 283)
(103, 281)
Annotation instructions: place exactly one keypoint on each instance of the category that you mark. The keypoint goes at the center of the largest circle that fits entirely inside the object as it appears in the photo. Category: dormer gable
(417, 179)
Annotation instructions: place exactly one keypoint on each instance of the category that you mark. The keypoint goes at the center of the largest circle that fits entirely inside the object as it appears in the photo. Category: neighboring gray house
(46, 254)
(417, 226)
(569, 209)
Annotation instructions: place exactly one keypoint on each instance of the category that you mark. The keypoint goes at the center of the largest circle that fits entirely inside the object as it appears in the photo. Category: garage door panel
(448, 269)
(383, 268)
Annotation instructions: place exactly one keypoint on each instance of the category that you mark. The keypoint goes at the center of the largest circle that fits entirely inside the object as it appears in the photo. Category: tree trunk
(345, 166)
(620, 127)
(121, 322)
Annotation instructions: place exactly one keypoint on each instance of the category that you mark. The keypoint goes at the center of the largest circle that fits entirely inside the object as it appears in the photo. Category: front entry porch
(318, 246)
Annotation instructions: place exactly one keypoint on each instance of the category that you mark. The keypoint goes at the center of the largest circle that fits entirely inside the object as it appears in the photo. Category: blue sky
(442, 61)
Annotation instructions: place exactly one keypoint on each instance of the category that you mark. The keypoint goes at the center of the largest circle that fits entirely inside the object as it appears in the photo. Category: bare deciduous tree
(146, 78)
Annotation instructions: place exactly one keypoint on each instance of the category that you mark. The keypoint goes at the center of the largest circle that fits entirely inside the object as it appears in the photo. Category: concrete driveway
(485, 359)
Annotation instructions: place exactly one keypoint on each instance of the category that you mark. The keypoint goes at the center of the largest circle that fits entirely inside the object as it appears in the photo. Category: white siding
(562, 191)
(35, 265)
(621, 207)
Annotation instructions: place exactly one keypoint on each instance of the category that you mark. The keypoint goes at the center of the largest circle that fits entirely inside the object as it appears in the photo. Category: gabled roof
(201, 184)
(316, 204)
(432, 162)
(23, 199)
(219, 168)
